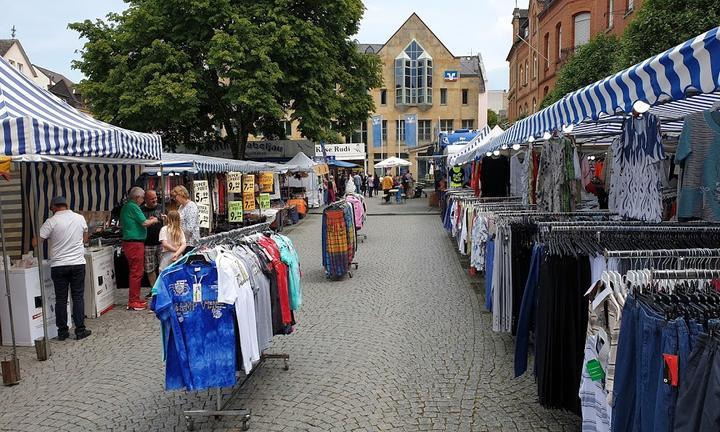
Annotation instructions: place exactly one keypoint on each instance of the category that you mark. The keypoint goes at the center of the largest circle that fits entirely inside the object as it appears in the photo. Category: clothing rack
(684, 274)
(220, 405)
(663, 253)
(616, 227)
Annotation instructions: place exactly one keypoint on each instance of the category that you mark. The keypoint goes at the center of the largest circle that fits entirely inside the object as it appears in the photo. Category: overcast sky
(465, 26)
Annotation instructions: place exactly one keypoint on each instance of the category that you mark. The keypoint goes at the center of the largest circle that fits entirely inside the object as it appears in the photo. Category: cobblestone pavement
(404, 345)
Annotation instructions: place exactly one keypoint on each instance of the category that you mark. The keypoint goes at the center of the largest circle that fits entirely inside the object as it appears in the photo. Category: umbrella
(392, 162)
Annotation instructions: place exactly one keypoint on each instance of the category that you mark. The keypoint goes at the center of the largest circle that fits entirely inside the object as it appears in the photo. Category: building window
(361, 133)
(526, 72)
(12, 63)
(464, 96)
(611, 13)
(413, 76)
(534, 105)
(558, 41)
(582, 28)
(468, 123)
(446, 125)
(630, 5)
(424, 130)
(519, 74)
(400, 131)
(287, 128)
(546, 90)
(535, 66)
(20, 67)
(547, 51)
(443, 96)
(384, 131)
(383, 97)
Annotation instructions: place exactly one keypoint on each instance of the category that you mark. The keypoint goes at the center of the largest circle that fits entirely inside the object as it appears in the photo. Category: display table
(100, 284)
(27, 306)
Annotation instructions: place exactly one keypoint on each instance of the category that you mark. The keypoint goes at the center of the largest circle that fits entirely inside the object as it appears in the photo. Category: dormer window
(413, 76)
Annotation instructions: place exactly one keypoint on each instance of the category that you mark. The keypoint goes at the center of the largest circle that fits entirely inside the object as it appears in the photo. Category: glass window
(383, 97)
(400, 128)
(424, 130)
(464, 96)
(413, 76)
(582, 28)
(611, 13)
(630, 5)
(20, 67)
(446, 125)
(443, 96)
(361, 134)
(468, 123)
(384, 131)
(547, 50)
(558, 39)
(535, 66)
(287, 128)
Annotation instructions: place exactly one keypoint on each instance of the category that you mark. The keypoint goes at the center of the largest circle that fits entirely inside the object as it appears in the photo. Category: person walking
(173, 241)
(376, 184)
(67, 233)
(370, 185)
(152, 243)
(341, 184)
(134, 232)
(358, 182)
(189, 216)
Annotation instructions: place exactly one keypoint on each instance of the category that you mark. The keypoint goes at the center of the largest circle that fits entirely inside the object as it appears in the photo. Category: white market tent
(680, 81)
(470, 151)
(302, 163)
(392, 162)
(185, 162)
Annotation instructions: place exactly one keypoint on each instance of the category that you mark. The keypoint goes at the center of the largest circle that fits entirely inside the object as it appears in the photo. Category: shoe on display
(82, 334)
(138, 305)
(62, 336)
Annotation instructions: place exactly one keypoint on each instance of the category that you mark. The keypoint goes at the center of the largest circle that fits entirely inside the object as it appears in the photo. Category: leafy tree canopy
(188, 69)
(492, 118)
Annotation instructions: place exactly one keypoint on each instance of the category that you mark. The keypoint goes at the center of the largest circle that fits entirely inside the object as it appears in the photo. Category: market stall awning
(301, 162)
(679, 73)
(36, 125)
(392, 162)
(185, 162)
(342, 164)
(475, 149)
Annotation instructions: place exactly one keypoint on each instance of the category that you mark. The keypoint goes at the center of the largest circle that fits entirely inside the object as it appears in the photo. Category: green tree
(190, 69)
(590, 63)
(492, 118)
(663, 24)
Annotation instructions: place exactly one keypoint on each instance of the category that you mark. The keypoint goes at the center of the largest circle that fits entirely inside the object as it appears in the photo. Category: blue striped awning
(183, 162)
(470, 151)
(671, 79)
(34, 122)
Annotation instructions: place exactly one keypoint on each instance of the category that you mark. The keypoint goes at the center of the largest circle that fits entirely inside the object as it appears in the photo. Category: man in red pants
(134, 232)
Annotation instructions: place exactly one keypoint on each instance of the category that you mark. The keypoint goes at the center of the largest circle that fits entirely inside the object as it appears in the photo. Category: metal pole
(162, 188)
(41, 271)
(7, 281)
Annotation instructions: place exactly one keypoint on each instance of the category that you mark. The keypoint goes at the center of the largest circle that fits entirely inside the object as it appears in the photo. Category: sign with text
(234, 182)
(235, 211)
(264, 201)
(451, 75)
(248, 192)
(202, 192)
(352, 151)
(265, 179)
(204, 215)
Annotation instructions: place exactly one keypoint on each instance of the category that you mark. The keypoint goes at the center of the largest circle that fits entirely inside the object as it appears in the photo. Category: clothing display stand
(220, 404)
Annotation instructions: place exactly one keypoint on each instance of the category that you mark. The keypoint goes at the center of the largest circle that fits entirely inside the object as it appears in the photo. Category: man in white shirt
(67, 233)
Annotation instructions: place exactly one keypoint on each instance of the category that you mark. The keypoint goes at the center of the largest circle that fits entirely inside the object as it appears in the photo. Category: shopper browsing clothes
(152, 243)
(134, 233)
(67, 233)
(189, 217)
(172, 238)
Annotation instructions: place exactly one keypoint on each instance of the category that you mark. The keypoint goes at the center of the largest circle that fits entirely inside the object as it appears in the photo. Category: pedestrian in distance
(387, 184)
(153, 248)
(358, 182)
(376, 184)
(67, 233)
(134, 233)
(370, 185)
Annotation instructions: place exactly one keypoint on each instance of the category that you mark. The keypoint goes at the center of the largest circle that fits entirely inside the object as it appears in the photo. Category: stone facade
(544, 37)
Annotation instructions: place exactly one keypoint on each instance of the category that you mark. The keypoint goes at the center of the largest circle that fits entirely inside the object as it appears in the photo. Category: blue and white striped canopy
(663, 80)
(33, 122)
(470, 152)
(183, 162)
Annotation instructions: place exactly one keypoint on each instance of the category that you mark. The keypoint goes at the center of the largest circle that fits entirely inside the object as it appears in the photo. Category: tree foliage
(663, 24)
(492, 118)
(590, 63)
(188, 69)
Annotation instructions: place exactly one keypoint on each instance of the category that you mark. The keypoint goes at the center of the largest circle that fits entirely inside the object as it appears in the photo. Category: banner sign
(377, 131)
(265, 179)
(204, 215)
(248, 192)
(202, 192)
(264, 201)
(234, 182)
(451, 75)
(235, 211)
(411, 130)
(352, 151)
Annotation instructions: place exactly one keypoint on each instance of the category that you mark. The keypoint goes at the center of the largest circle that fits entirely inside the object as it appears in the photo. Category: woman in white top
(172, 239)
(189, 218)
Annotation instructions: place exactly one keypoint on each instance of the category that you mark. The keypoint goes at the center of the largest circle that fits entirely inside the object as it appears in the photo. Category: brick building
(546, 33)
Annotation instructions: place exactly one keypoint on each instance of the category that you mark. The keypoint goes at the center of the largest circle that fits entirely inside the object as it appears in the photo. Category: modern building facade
(546, 34)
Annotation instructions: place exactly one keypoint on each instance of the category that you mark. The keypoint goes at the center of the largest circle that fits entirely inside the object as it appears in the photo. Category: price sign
(202, 192)
(204, 215)
(266, 181)
(248, 185)
(249, 202)
(264, 201)
(234, 182)
(235, 210)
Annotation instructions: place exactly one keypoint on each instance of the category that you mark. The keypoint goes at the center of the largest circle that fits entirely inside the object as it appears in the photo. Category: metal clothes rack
(663, 253)
(684, 274)
(220, 405)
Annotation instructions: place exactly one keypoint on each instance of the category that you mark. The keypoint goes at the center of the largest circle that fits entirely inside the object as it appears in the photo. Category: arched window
(526, 71)
(413, 76)
(558, 40)
(547, 50)
(582, 28)
(535, 66)
(534, 105)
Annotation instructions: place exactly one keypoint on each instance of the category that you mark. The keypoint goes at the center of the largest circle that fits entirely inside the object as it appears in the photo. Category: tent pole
(6, 266)
(41, 270)
(162, 189)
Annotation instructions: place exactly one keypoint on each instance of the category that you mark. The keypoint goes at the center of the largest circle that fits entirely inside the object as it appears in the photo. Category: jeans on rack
(626, 369)
(489, 262)
(698, 404)
(676, 342)
(527, 311)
